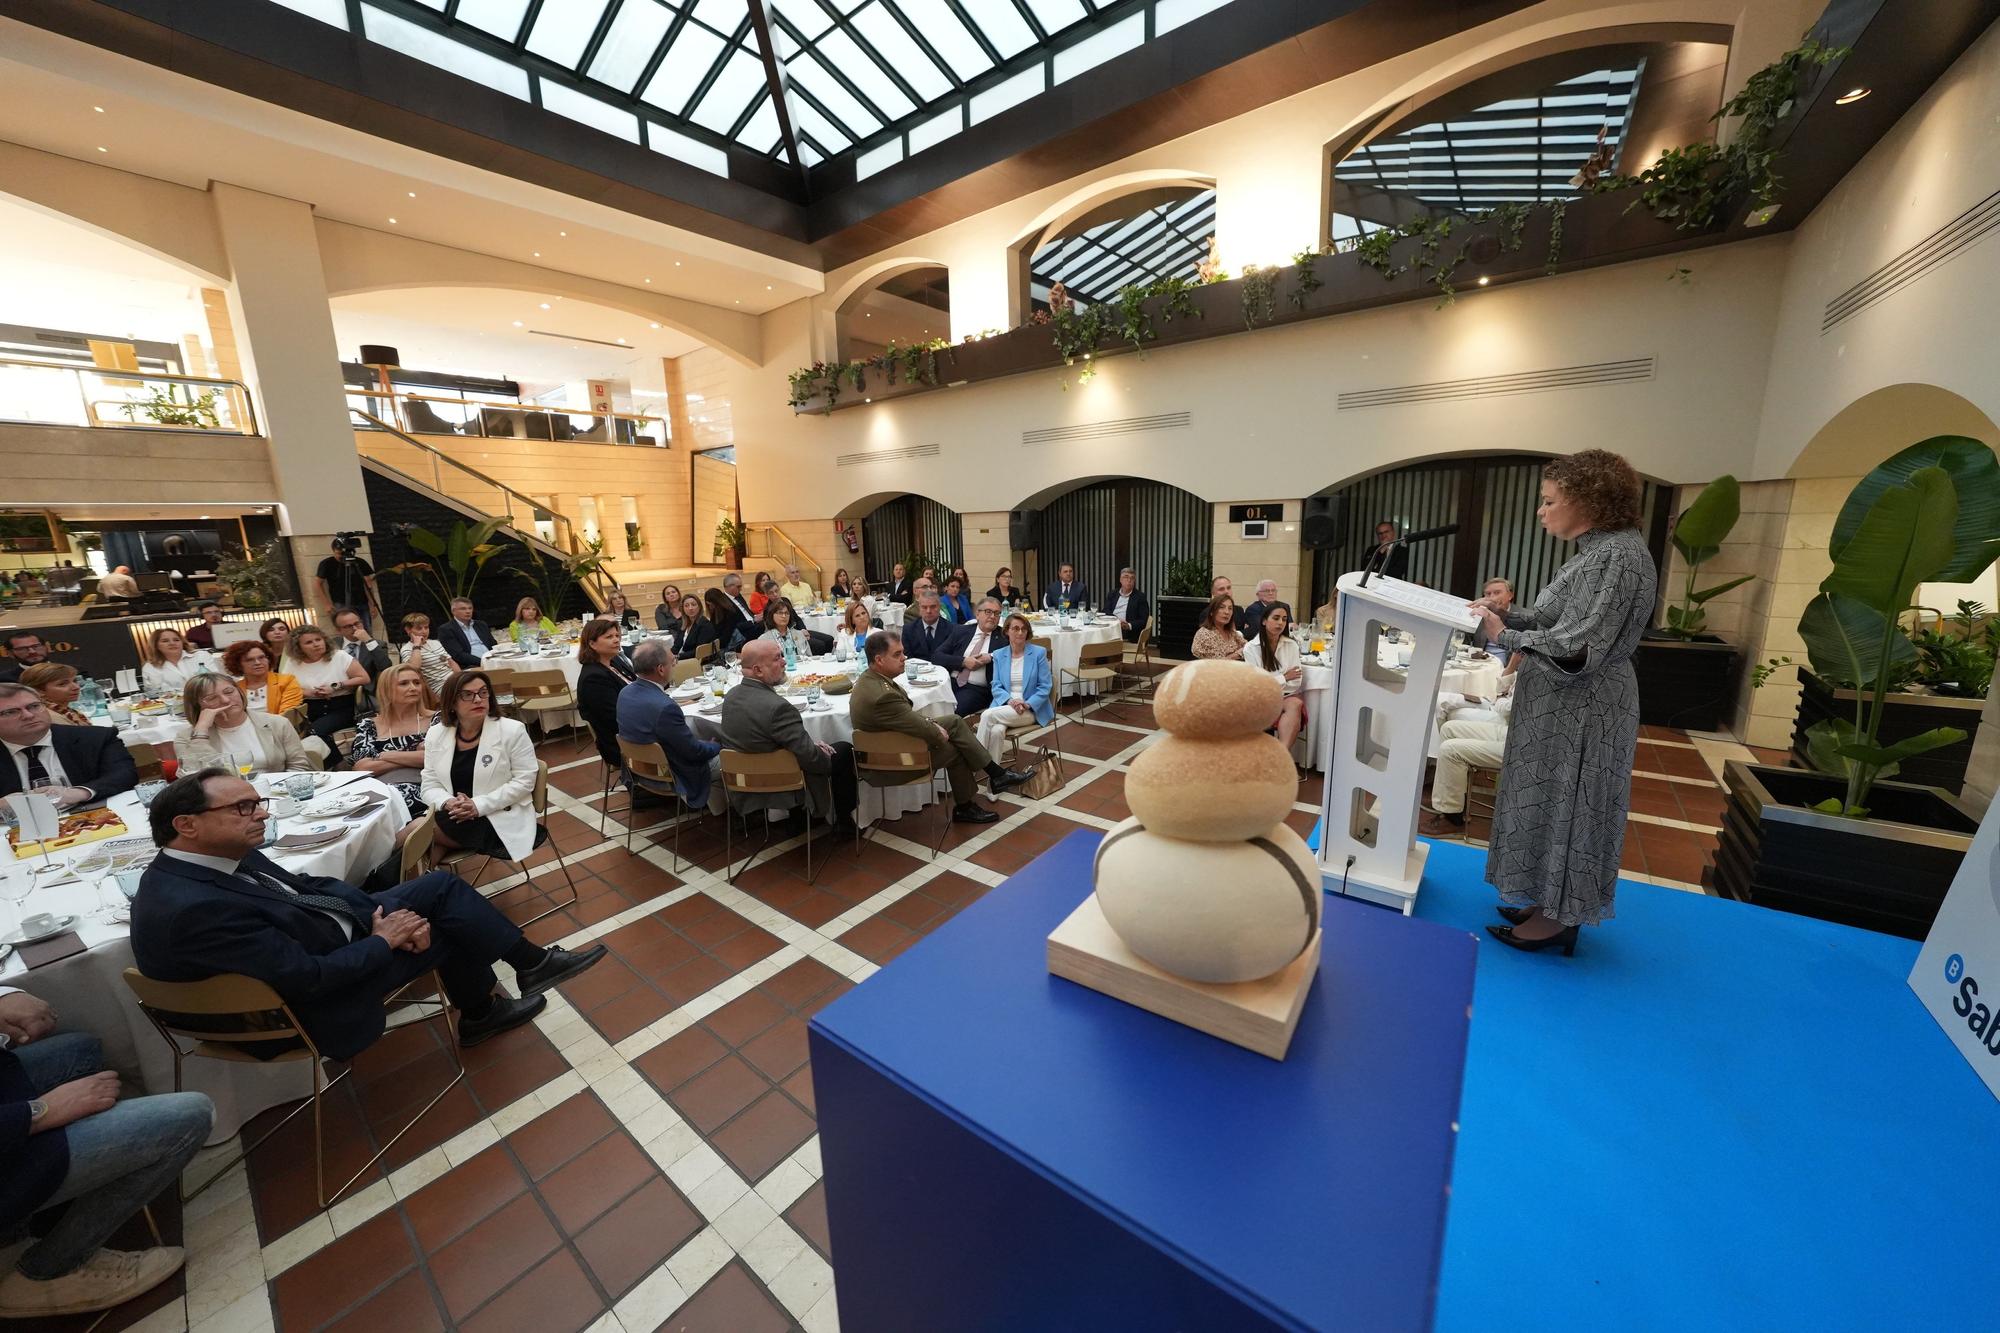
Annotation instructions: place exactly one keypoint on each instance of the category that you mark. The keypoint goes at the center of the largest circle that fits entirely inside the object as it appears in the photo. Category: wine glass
(812, 696)
(92, 866)
(15, 889)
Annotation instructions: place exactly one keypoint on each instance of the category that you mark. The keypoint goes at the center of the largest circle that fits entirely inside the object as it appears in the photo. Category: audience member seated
(466, 639)
(647, 716)
(1251, 616)
(618, 609)
(1023, 686)
(528, 622)
(725, 616)
(202, 636)
(25, 648)
(1326, 616)
(389, 743)
(265, 690)
(60, 686)
(9, 589)
(964, 579)
(276, 636)
(118, 585)
(170, 662)
(220, 732)
(425, 653)
(1472, 734)
(732, 594)
(67, 1139)
(1065, 591)
(973, 683)
(929, 637)
(1394, 563)
(1499, 594)
(691, 629)
(369, 653)
(756, 719)
(1003, 589)
(1218, 635)
(879, 704)
(928, 575)
(765, 588)
(857, 622)
(669, 609)
(842, 585)
(1273, 650)
(82, 765)
(329, 678)
(605, 671)
(211, 904)
(956, 602)
(479, 774)
(1129, 605)
(900, 588)
(796, 590)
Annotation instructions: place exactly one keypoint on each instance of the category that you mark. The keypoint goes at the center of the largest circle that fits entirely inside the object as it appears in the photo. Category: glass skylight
(1167, 241)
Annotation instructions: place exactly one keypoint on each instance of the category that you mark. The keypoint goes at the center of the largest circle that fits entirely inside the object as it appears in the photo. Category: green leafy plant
(1188, 578)
(1929, 514)
(1307, 280)
(635, 541)
(255, 579)
(175, 405)
(729, 536)
(1260, 287)
(556, 577)
(1957, 658)
(456, 561)
(1698, 537)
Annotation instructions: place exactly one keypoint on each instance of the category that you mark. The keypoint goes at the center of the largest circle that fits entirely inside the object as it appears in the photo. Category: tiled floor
(644, 1157)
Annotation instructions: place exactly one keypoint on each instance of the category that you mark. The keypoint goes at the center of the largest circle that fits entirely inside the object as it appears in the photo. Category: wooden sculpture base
(1258, 1015)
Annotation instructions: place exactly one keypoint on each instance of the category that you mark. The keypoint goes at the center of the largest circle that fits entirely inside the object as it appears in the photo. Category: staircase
(769, 543)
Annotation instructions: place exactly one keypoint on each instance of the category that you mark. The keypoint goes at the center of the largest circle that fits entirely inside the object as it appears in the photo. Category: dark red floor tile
(779, 1050)
(803, 980)
(744, 1017)
(531, 1064)
(405, 1305)
(634, 1238)
(680, 1057)
(808, 1218)
(597, 1179)
(463, 1197)
(553, 1297)
(765, 1134)
(712, 1097)
(487, 1259)
(549, 1140)
(878, 939)
(637, 1008)
(697, 976)
(751, 946)
(731, 1302)
(319, 1288)
(801, 1087)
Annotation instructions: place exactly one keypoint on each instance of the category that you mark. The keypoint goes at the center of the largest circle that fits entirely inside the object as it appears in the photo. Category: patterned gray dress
(1559, 825)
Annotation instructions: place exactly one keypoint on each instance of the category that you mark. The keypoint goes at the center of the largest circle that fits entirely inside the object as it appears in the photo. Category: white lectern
(1380, 737)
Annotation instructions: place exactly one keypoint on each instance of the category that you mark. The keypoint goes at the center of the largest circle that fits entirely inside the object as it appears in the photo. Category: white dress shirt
(1119, 610)
(980, 645)
(347, 924)
(53, 765)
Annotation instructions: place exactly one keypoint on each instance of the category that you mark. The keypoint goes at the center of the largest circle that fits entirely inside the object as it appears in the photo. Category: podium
(1380, 738)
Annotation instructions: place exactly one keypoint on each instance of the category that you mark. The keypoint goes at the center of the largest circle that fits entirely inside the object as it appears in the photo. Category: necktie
(37, 773)
(978, 647)
(319, 902)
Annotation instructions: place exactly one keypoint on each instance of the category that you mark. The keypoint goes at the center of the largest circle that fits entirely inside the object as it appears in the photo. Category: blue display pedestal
(1005, 1150)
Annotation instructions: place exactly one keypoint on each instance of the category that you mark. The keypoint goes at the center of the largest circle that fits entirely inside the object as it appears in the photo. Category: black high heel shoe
(1514, 916)
(1565, 937)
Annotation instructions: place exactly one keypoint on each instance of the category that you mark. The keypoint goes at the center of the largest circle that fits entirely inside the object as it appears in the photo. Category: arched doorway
(914, 530)
(908, 306)
(1103, 526)
(1157, 232)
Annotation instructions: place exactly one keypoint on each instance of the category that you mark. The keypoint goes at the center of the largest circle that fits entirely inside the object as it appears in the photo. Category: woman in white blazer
(222, 730)
(1274, 651)
(479, 774)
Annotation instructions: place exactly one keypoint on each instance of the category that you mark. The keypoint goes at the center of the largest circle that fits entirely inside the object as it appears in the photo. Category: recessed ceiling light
(562, 233)
(649, 280)
(656, 325)
(767, 286)
(677, 263)
(519, 325)
(100, 111)
(392, 222)
(538, 254)
(1851, 96)
(739, 300)
(871, 314)
(102, 149)
(867, 400)
(545, 305)
(1484, 280)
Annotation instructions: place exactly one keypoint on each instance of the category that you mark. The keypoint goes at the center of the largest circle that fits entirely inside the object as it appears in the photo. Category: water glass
(15, 889)
(92, 867)
(146, 791)
(812, 696)
(299, 786)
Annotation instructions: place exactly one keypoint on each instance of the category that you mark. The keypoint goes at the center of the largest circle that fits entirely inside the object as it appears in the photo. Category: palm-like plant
(456, 559)
(1698, 536)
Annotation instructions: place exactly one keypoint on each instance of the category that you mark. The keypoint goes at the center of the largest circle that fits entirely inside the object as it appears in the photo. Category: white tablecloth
(1479, 678)
(88, 989)
(1066, 647)
(885, 614)
(560, 657)
(831, 723)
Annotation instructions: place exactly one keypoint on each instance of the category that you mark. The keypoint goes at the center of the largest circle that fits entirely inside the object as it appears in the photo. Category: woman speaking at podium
(1559, 822)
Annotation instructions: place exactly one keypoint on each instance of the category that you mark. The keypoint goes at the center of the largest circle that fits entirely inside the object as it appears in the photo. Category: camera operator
(346, 579)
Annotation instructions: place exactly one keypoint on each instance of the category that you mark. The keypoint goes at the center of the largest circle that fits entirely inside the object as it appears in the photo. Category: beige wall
(714, 497)
(47, 465)
(1249, 562)
(984, 549)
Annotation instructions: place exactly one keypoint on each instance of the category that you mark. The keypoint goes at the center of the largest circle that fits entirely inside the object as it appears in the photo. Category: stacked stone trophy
(1206, 907)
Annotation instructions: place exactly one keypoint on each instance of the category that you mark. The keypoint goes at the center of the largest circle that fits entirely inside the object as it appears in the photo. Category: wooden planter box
(1176, 620)
(1888, 873)
(1686, 683)
(1903, 715)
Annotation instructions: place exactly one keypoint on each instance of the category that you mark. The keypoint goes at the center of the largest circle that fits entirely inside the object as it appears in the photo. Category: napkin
(50, 950)
(304, 842)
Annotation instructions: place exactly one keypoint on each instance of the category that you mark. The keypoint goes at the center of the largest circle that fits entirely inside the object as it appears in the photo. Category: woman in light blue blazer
(1024, 688)
(957, 602)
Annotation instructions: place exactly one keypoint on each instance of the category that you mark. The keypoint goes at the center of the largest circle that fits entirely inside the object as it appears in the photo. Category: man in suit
(1066, 589)
(900, 588)
(25, 648)
(212, 904)
(929, 637)
(86, 764)
(879, 704)
(1129, 605)
(467, 640)
(732, 593)
(973, 682)
(1391, 564)
(647, 715)
(365, 648)
(69, 1145)
(1250, 617)
(757, 720)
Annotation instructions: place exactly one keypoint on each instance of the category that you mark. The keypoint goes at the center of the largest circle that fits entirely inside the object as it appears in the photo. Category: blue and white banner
(1957, 975)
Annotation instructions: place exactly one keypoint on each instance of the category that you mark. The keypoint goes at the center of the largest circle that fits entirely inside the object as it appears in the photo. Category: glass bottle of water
(791, 655)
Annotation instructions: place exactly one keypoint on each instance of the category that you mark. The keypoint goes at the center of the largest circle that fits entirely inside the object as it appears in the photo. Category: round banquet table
(1066, 647)
(931, 695)
(1479, 677)
(885, 614)
(561, 656)
(88, 989)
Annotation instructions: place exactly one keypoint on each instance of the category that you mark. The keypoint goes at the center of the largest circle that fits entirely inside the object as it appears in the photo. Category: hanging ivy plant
(1077, 331)
(1557, 210)
(1309, 281)
(1260, 286)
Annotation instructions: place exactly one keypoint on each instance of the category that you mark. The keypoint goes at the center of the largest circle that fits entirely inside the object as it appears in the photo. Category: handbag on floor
(1048, 778)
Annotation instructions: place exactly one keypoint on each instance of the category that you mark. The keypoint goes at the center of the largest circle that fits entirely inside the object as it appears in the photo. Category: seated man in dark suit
(647, 716)
(25, 648)
(756, 719)
(86, 764)
(213, 904)
(972, 683)
(365, 648)
(879, 704)
(463, 637)
(1066, 591)
(1129, 605)
(929, 637)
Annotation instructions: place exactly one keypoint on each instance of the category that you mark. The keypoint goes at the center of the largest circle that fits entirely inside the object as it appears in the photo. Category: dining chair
(685, 669)
(417, 844)
(1137, 653)
(539, 692)
(1097, 664)
(218, 1017)
(884, 759)
(145, 758)
(774, 774)
(452, 860)
(646, 770)
(704, 651)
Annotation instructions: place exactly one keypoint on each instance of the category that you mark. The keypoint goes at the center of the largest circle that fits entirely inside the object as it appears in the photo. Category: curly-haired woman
(1559, 823)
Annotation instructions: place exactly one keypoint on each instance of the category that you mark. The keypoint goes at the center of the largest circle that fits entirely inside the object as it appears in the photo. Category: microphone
(1428, 533)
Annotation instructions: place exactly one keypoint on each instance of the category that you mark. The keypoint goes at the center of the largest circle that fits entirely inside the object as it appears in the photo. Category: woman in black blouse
(691, 629)
(606, 671)
(669, 609)
(842, 586)
(618, 609)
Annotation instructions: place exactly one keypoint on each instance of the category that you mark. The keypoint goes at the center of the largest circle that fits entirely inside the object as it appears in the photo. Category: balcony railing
(61, 393)
(437, 414)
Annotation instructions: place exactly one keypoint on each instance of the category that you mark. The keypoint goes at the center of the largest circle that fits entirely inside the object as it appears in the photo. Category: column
(1277, 556)
(277, 306)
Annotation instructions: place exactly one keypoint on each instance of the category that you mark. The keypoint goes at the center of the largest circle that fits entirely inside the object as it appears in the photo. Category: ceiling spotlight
(100, 111)
(392, 222)
(518, 324)
(1484, 280)
(871, 314)
(538, 254)
(767, 286)
(1851, 96)
(621, 342)
(649, 280)
(102, 149)
(562, 233)
(677, 263)
(656, 325)
(545, 305)
(413, 194)
(867, 400)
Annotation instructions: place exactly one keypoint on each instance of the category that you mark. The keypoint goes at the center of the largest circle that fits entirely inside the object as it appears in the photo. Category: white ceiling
(62, 276)
(174, 128)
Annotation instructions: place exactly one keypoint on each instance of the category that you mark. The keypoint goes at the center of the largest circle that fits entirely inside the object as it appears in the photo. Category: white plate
(335, 805)
(62, 924)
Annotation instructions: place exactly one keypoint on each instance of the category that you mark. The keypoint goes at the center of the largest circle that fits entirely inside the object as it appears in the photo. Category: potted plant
(729, 542)
(176, 405)
(456, 559)
(256, 579)
(1839, 840)
(1178, 611)
(555, 579)
(1687, 677)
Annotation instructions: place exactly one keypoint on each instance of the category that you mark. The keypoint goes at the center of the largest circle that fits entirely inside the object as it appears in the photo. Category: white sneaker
(105, 1279)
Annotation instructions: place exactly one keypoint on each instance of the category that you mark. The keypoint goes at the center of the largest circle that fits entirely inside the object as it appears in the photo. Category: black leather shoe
(1009, 778)
(1564, 939)
(557, 968)
(505, 1012)
(1514, 916)
(970, 813)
